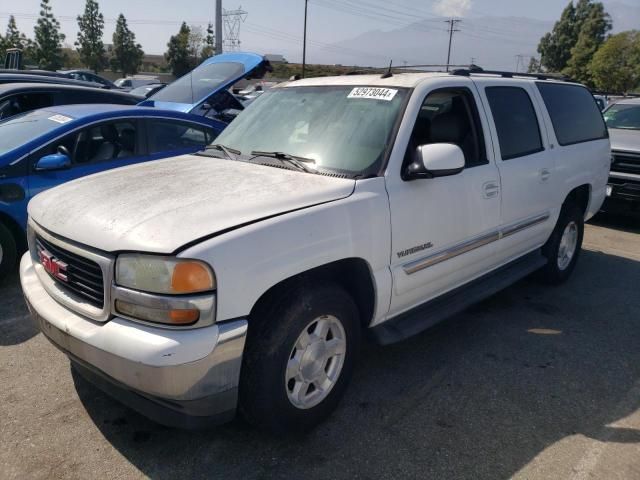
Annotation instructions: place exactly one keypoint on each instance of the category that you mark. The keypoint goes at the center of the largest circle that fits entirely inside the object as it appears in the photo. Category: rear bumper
(183, 378)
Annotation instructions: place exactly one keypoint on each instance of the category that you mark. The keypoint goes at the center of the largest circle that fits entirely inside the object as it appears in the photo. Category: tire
(268, 390)
(8, 252)
(559, 267)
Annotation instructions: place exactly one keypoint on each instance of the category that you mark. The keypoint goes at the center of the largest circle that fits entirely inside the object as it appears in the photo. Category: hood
(625, 140)
(212, 75)
(161, 206)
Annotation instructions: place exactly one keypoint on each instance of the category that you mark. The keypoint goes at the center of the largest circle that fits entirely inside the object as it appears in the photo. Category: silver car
(623, 121)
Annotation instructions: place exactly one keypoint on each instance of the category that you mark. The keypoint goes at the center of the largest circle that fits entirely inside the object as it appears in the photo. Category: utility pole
(304, 39)
(218, 27)
(452, 23)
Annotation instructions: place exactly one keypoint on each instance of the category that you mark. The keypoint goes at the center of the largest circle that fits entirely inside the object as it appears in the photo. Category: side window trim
(536, 114)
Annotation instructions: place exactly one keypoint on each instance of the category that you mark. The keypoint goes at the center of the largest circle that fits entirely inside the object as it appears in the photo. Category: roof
(107, 110)
(407, 80)
(629, 101)
(7, 87)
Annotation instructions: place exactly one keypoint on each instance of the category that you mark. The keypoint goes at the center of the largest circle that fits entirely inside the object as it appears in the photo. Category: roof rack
(475, 70)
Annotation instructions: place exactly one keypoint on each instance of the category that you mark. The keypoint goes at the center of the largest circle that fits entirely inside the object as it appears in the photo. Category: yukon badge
(53, 266)
(416, 249)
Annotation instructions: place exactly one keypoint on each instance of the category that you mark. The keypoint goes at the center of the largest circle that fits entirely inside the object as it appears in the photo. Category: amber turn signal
(189, 277)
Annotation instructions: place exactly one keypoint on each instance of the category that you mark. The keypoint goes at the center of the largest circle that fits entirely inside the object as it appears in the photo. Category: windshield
(18, 130)
(625, 116)
(199, 83)
(342, 128)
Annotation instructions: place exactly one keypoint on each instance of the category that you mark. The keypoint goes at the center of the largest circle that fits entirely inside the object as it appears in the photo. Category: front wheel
(299, 358)
(564, 245)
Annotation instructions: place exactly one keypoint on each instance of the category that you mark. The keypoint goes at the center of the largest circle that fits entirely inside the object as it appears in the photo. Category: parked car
(146, 91)
(37, 78)
(601, 101)
(129, 83)
(89, 76)
(47, 147)
(332, 207)
(205, 90)
(623, 121)
(18, 98)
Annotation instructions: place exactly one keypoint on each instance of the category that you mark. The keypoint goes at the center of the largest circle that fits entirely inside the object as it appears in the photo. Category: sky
(275, 26)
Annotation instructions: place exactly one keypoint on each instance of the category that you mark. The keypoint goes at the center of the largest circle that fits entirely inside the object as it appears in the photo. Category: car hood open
(215, 74)
(163, 205)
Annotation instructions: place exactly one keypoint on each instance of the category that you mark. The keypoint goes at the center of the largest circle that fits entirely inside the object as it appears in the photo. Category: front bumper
(185, 378)
(624, 187)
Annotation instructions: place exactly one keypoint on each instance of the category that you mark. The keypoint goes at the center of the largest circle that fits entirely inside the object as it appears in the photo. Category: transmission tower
(233, 19)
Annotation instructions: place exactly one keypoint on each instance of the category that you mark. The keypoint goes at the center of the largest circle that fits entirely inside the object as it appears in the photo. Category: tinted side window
(574, 113)
(24, 102)
(165, 136)
(515, 120)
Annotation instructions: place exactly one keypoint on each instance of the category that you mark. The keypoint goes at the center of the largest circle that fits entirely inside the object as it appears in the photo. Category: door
(525, 164)
(102, 146)
(444, 229)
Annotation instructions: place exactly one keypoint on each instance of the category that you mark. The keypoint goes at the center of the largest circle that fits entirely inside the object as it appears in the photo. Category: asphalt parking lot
(537, 382)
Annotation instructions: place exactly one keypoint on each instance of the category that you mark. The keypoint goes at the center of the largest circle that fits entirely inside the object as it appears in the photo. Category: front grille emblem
(56, 268)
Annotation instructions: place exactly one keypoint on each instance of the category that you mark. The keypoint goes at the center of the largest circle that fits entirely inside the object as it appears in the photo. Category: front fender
(250, 260)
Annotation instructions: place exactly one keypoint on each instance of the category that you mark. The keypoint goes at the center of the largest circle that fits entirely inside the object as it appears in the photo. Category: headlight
(168, 275)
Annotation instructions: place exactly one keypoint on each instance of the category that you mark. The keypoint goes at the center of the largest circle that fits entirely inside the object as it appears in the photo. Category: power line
(452, 23)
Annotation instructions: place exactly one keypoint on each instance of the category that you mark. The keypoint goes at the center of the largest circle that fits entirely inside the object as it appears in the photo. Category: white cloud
(452, 8)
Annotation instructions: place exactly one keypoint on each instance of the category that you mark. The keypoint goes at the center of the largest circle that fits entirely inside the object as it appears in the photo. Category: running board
(434, 311)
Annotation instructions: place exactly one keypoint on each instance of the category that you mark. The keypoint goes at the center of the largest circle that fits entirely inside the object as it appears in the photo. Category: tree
(209, 43)
(534, 65)
(89, 43)
(127, 54)
(48, 39)
(615, 66)
(578, 33)
(594, 28)
(179, 54)
(15, 39)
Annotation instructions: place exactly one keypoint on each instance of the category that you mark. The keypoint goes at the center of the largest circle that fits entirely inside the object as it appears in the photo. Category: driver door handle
(545, 173)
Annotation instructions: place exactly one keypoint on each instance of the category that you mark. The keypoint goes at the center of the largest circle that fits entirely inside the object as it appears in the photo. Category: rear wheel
(299, 358)
(8, 252)
(564, 245)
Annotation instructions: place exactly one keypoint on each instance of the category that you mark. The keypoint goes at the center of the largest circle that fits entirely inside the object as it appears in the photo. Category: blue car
(44, 148)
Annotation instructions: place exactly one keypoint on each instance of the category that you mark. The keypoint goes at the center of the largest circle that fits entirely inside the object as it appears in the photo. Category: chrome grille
(82, 276)
(626, 162)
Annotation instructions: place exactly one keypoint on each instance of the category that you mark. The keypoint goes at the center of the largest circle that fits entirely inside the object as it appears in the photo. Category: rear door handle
(490, 189)
(545, 173)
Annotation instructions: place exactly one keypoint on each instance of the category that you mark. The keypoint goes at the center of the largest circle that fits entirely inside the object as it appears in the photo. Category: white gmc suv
(244, 277)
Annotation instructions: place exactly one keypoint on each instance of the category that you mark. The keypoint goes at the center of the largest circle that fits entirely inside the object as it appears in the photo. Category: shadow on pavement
(15, 325)
(478, 396)
(628, 222)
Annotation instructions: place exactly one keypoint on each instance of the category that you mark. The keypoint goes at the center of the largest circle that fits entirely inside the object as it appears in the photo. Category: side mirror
(435, 160)
(55, 161)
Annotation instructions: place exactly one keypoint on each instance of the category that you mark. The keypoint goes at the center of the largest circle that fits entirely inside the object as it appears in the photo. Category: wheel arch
(581, 196)
(16, 230)
(353, 274)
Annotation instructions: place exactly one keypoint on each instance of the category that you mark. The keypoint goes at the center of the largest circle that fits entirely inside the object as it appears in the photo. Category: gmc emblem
(53, 266)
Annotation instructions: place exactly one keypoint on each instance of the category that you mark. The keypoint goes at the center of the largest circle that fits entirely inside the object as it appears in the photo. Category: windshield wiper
(296, 161)
(226, 150)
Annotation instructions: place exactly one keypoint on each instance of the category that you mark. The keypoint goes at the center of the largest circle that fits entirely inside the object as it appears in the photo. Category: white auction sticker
(60, 118)
(373, 93)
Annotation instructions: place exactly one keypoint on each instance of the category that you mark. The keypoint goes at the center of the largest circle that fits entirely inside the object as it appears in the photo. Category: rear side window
(515, 120)
(166, 136)
(574, 113)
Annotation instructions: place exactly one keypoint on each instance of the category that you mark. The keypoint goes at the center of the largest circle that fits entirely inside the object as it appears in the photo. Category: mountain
(493, 42)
